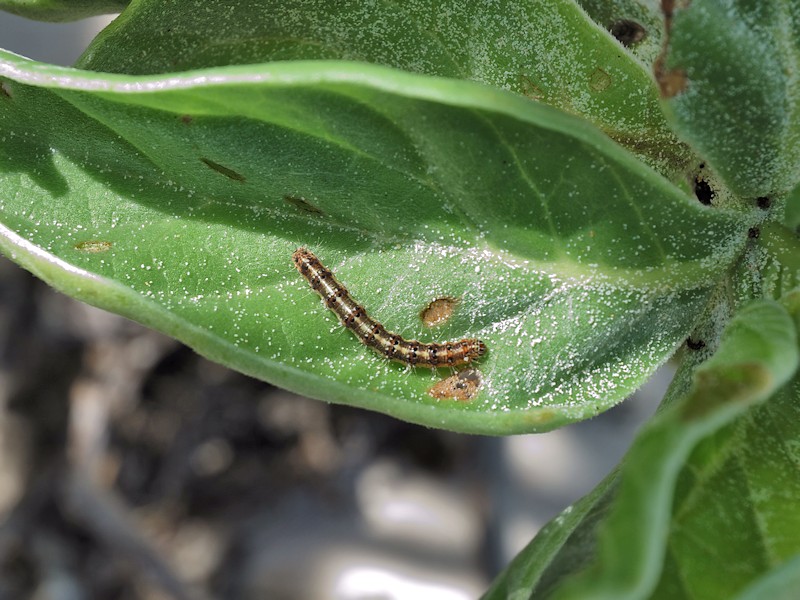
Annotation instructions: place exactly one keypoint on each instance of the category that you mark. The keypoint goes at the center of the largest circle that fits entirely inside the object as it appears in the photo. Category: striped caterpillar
(373, 334)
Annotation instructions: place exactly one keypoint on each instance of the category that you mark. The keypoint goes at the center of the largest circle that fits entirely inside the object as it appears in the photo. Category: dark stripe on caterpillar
(373, 334)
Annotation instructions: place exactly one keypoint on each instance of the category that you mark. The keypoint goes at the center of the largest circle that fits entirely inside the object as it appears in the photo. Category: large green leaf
(178, 201)
(741, 106)
(705, 501)
(62, 10)
(550, 51)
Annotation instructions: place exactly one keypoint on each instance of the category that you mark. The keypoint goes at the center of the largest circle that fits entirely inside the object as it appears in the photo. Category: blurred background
(131, 468)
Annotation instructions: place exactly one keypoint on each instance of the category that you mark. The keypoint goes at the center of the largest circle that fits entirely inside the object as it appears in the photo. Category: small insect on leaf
(93, 246)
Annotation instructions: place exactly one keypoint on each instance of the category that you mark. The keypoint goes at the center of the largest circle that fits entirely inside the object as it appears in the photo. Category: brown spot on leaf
(93, 246)
(530, 89)
(4, 90)
(302, 204)
(186, 119)
(671, 82)
(229, 173)
(439, 311)
(462, 386)
(600, 80)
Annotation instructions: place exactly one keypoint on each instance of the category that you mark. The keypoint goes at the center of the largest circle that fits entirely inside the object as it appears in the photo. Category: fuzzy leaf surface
(740, 109)
(548, 51)
(178, 201)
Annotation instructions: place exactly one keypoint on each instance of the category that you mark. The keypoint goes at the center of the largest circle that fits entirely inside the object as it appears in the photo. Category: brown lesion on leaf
(529, 89)
(628, 32)
(600, 80)
(186, 119)
(439, 311)
(229, 173)
(671, 82)
(302, 204)
(5, 91)
(674, 81)
(94, 246)
(462, 386)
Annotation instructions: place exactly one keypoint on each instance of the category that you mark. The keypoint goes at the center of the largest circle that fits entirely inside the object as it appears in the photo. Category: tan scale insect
(371, 333)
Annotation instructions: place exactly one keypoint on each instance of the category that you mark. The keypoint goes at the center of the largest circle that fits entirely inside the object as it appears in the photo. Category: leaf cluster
(597, 185)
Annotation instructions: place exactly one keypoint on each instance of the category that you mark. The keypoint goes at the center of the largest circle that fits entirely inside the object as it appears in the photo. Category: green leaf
(792, 213)
(61, 10)
(548, 51)
(705, 500)
(781, 583)
(178, 201)
(741, 106)
(776, 255)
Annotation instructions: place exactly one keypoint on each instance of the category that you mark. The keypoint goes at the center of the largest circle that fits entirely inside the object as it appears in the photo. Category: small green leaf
(580, 268)
(741, 106)
(678, 509)
(62, 10)
(548, 51)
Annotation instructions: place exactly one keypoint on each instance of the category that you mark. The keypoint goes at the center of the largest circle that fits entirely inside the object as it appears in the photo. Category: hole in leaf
(703, 191)
(763, 202)
(628, 32)
(695, 344)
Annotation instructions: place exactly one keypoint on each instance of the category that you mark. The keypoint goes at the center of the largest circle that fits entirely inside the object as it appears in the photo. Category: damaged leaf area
(180, 200)
(733, 91)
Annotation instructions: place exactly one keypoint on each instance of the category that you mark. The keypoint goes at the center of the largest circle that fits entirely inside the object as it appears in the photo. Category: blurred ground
(131, 468)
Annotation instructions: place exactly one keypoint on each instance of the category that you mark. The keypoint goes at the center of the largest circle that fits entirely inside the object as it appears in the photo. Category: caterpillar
(371, 333)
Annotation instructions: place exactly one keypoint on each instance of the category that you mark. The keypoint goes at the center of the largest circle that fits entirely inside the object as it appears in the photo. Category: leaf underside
(580, 268)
